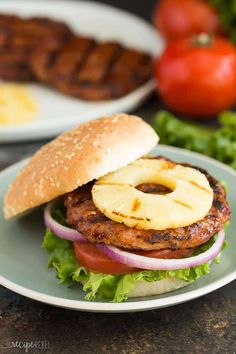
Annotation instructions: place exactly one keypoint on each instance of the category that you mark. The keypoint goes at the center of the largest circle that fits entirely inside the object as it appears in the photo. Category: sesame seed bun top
(76, 157)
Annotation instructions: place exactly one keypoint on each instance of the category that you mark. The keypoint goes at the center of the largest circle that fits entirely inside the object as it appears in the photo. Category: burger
(118, 221)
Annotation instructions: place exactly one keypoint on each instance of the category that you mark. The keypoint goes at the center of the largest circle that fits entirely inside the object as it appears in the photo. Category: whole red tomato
(197, 76)
(180, 18)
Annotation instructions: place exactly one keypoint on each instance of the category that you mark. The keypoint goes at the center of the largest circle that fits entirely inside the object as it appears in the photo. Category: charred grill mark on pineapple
(136, 205)
(200, 187)
(182, 203)
(168, 165)
(130, 216)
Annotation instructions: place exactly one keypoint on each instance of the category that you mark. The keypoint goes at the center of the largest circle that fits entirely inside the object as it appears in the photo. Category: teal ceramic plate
(23, 264)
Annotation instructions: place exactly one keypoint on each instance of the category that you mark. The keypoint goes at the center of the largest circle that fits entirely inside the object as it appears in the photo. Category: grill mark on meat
(97, 218)
(157, 237)
(128, 72)
(67, 62)
(113, 62)
(218, 204)
(182, 238)
(104, 230)
(50, 59)
(82, 60)
(98, 63)
(58, 61)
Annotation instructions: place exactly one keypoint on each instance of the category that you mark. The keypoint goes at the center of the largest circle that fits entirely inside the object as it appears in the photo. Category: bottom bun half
(163, 286)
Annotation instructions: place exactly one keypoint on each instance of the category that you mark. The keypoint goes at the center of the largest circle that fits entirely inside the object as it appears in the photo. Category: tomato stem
(202, 40)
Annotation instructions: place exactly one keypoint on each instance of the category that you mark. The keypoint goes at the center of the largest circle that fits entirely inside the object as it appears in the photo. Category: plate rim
(132, 306)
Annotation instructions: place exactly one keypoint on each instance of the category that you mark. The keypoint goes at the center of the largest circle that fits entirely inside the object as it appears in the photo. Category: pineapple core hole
(153, 188)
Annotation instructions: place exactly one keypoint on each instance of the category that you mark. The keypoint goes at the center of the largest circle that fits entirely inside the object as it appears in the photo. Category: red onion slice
(132, 259)
(143, 262)
(59, 230)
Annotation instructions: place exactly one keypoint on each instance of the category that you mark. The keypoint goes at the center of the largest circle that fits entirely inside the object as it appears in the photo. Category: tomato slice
(94, 259)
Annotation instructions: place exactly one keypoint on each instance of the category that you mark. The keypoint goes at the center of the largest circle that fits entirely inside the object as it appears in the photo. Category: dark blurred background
(143, 8)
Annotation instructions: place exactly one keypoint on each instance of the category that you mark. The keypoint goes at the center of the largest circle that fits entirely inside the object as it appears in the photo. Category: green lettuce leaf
(115, 288)
(219, 143)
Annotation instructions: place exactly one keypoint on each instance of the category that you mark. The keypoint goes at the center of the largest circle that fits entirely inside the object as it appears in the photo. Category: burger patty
(18, 39)
(45, 50)
(90, 70)
(97, 228)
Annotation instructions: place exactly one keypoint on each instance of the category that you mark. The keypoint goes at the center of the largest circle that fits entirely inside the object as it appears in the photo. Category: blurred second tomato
(181, 18)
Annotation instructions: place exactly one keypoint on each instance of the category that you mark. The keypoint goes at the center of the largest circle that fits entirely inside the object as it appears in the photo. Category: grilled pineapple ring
(189, 201)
